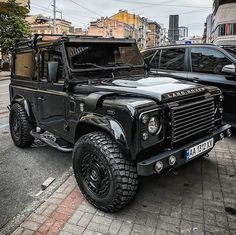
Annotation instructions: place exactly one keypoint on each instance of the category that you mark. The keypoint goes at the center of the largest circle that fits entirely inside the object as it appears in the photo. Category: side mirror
(52, 71)
(229, 69)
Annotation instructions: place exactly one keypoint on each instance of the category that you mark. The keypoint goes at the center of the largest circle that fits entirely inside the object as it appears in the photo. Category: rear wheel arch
(25, 104)
(20, 126)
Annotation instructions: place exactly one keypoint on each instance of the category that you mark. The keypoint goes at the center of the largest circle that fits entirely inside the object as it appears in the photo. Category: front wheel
(107, 180)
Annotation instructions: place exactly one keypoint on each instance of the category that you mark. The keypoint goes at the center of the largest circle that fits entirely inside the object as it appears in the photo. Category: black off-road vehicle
(94, 95)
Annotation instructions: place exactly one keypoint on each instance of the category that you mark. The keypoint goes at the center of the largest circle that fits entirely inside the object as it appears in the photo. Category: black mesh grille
(192, 118)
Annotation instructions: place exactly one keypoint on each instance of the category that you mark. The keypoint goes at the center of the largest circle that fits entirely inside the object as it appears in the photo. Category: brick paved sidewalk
(192, 200)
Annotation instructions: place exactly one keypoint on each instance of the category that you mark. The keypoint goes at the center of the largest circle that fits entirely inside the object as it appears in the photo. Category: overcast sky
(80, 12)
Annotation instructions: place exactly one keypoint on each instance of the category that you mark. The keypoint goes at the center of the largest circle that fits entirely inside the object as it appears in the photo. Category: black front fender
(92, 122)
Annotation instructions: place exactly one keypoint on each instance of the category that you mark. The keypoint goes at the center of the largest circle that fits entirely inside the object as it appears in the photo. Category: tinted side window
(205, 60)
(172, 59)
(24, 65)
(51, 56)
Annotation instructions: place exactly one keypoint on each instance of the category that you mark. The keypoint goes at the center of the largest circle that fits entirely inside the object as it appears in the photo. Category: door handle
(41, 98)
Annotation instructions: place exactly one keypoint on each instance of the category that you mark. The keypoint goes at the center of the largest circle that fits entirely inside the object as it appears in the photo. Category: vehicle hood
(156, 87)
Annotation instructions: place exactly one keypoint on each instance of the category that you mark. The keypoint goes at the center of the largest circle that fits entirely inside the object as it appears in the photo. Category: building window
(234, 29)
(222, 30)
(226, 29)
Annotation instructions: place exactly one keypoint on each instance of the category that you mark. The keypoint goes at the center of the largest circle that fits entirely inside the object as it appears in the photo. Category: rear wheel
(105, 177)
(20, 126)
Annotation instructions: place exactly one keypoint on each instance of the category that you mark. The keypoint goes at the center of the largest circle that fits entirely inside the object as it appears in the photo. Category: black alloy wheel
(106, 178)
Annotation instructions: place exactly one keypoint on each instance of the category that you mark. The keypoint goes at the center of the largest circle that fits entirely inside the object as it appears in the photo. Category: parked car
(93, 95)
(205, 64)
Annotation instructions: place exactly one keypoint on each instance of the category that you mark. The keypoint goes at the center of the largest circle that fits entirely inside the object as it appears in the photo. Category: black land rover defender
(94, 95)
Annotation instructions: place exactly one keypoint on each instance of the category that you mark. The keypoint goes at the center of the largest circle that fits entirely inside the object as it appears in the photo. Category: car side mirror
(53, 67)
(229, 69)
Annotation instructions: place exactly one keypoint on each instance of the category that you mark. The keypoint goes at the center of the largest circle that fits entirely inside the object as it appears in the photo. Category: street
(22, 171)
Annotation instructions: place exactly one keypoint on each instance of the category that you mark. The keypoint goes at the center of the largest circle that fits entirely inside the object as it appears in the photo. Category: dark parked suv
(94, 96)
(205, 64)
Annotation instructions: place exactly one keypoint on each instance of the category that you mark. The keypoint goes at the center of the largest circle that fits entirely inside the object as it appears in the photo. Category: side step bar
(50, 143)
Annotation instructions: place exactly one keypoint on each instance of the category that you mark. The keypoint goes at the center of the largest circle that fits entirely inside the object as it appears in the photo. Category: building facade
(153, 35)
(80, 31)
(163, 36)
(183, 32)
(173, 33)
(207, 35)
(44, 25)
(107, 27)
(224, 22)
(140, 24)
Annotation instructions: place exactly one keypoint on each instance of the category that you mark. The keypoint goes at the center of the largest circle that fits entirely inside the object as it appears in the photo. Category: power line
(85, 8)
(42, 7)
(49, 11)
(161, 4)
(69, 17)
(146, 6)
(54, 16)
(183, 13)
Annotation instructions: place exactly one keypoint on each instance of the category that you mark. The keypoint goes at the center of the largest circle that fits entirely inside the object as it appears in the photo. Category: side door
(170, 62)
(52, 95)
(207, 68)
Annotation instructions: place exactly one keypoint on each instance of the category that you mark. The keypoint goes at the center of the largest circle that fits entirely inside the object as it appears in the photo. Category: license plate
(199, 149)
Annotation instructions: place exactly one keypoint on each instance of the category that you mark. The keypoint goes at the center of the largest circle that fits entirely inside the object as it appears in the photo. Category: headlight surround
(153, 125)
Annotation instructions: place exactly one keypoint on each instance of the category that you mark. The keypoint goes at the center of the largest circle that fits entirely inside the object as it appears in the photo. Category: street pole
(54, 16)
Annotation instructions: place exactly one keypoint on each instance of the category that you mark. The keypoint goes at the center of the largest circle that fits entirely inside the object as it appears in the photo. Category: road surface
(22, 171)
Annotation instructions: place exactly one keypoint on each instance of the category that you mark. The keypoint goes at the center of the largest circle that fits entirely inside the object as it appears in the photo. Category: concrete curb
(20, 218)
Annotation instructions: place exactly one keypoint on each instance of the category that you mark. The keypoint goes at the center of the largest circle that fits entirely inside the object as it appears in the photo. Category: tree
(12, 24)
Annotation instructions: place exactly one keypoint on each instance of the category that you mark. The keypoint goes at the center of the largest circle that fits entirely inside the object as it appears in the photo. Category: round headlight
(153, 125)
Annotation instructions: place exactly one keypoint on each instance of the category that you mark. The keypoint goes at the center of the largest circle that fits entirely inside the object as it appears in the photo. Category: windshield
(102, 55)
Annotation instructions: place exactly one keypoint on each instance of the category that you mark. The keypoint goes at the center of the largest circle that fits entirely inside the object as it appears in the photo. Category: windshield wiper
(90, 64)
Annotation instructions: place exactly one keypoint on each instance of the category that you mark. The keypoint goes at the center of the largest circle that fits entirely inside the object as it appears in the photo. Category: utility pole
(54, 16)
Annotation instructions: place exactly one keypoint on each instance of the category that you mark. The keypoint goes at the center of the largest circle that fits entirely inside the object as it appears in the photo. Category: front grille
(192, 118)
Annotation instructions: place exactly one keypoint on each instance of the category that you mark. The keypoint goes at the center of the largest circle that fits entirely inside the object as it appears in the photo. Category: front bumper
(147, 167)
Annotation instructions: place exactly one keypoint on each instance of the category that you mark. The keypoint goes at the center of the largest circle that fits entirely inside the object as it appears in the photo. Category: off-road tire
(118, 172)
(20, 132)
